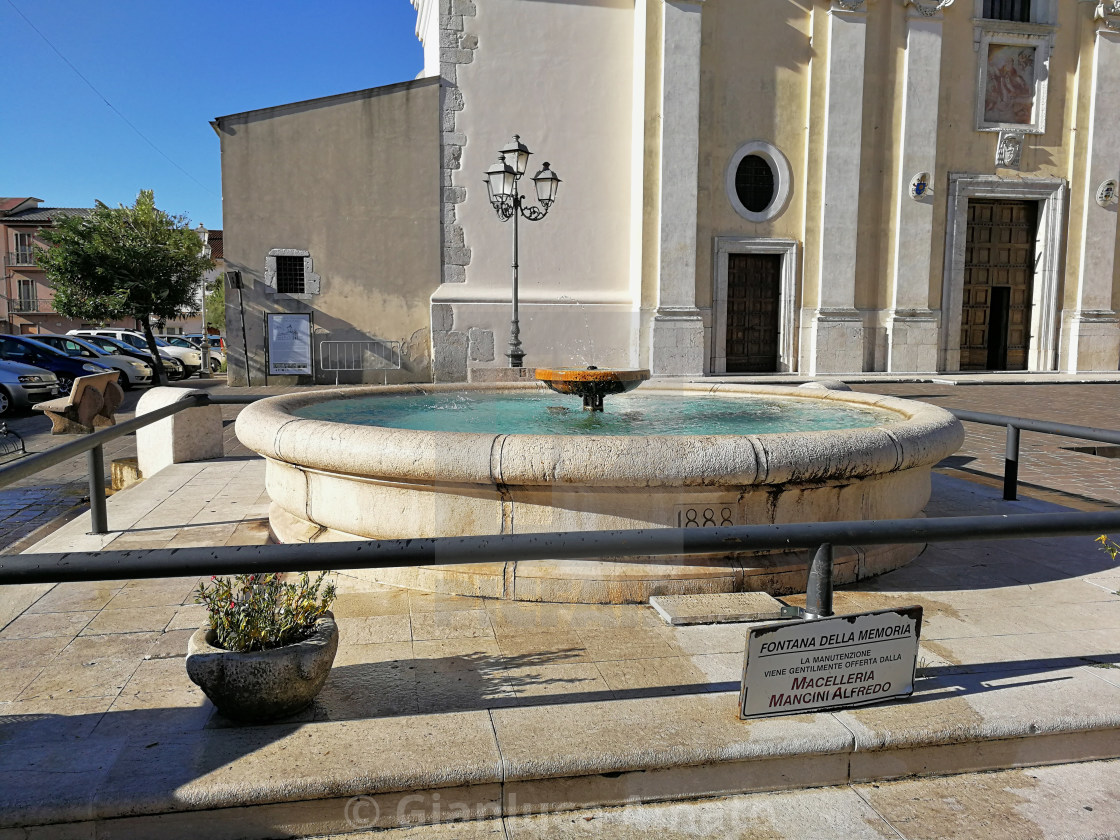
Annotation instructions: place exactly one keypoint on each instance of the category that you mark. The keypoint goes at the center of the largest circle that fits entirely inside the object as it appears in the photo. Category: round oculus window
(755, 183)
(759, 181)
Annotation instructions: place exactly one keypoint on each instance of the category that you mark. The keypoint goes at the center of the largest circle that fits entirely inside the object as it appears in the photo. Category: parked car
(191, 358)
(23, 349)
(133, 371)
(172, 366)
(21, 386)
(217, 354)
(217, 342)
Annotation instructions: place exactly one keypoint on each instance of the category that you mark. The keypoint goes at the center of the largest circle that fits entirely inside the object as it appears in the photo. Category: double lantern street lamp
(501, 183)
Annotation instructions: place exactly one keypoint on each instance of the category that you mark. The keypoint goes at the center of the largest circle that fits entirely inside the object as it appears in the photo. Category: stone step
(1066, 801)
(304, 779)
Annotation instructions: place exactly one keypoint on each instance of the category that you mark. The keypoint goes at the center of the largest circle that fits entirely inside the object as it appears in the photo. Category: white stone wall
(561, 76)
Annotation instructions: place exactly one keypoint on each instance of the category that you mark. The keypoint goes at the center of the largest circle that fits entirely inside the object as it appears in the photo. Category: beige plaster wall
(755, 64)
(560, 74)
(354, 180)
(763, 78)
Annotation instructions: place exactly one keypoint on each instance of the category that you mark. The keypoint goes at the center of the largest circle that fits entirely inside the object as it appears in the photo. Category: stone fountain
(340, 468)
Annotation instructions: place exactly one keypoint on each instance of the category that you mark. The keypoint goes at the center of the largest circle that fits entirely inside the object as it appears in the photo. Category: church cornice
(1108, 13)
(928, 8)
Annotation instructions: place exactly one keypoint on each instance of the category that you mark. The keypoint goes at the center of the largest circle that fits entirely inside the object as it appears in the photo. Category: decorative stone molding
(1106, 193)
(1009, 149)
(1053, 197)
(311, 280)
(457, 47)
(787, 250)
(850, 5)
(1008, 60)
(783, 180)
(928, 8)
(1108, 13)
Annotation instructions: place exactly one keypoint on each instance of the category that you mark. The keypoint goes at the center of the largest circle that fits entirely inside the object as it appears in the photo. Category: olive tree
(122, 262)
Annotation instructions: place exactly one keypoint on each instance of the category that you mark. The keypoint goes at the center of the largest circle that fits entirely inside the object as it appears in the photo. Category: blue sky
(170, 68)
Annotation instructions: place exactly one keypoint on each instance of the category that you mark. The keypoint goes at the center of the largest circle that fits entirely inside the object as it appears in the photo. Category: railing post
(95, 460)
(1011, 465)
(818, 592)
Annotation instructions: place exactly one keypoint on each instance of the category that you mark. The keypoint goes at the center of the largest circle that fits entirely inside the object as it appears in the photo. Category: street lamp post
(501, 184)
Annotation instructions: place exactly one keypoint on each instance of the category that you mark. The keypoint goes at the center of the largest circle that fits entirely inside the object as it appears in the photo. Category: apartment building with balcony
(27, 305)
(28, 298)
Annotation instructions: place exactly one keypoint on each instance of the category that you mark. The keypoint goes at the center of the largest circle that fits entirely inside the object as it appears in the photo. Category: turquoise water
(625, 414)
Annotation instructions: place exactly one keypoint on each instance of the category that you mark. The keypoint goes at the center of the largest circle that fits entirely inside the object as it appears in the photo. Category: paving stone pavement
(1018, 637)
(1049, 466)
(91, 675)
(61, 492)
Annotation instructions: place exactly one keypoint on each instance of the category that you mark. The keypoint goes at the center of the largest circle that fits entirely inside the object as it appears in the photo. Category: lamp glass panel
(546, 186)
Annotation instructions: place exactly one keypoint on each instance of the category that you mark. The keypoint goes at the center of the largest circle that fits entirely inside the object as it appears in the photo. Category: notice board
(289, 343)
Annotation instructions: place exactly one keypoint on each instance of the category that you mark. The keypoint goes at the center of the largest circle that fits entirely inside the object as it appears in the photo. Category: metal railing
(21, 257)
(579, 545)
(30, 305)
(1011, 449)
(93, 446)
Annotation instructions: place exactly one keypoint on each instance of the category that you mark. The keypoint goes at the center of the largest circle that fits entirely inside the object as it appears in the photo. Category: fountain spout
(591, 383)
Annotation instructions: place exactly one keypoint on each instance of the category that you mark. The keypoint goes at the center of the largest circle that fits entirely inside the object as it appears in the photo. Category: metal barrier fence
(359, 355)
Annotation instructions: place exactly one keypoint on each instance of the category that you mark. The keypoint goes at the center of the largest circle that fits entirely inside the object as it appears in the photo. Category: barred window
(754, 183)
(289, 275)
(1016, 10)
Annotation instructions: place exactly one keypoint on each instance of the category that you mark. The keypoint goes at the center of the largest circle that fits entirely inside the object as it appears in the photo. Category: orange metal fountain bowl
(591, 383)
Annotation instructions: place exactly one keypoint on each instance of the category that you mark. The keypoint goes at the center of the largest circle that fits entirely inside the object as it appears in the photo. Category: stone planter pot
(265, 684)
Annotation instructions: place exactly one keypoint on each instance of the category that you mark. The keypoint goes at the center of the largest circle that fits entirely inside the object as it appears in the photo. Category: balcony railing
(25, 305)
(21, 257)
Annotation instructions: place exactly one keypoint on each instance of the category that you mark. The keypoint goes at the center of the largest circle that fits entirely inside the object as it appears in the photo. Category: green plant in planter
(1110, 547)
(263, 611)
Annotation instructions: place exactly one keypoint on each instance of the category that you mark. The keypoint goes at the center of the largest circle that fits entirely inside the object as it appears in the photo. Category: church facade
(787, 186)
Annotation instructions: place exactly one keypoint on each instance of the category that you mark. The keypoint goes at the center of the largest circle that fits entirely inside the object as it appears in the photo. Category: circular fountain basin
(332, 480)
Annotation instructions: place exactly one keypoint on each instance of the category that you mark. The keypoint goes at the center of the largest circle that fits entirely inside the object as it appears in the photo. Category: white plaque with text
(289, 343)
(828, 663)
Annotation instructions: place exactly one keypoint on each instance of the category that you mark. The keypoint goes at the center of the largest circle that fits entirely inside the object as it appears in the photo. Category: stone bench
(91, 405)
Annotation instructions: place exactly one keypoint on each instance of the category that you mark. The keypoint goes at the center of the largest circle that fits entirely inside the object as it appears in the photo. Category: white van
(191, 359)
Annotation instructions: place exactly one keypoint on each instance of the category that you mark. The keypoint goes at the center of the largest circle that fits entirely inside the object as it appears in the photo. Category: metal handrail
(1011, 447)
(93, 445)
(373, 554)
(64, 452)
(563, 545)
(578, 545)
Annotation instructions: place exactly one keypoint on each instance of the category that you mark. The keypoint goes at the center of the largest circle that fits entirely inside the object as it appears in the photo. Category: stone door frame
(1052, 194)
(787, 250)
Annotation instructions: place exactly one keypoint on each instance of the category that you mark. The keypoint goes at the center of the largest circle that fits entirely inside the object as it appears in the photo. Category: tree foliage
(215, 304)
(122, 262)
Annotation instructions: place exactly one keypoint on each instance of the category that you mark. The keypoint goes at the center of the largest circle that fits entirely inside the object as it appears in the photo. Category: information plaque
(829, 663)
(289, 343)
